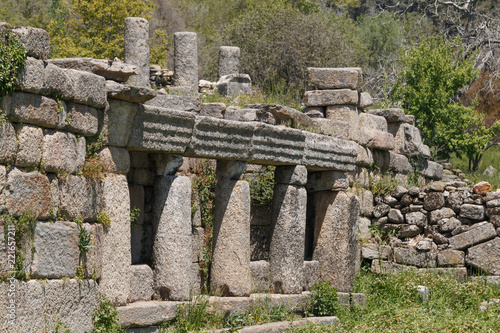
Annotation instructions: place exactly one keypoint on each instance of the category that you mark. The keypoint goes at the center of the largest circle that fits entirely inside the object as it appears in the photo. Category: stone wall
(88, 144)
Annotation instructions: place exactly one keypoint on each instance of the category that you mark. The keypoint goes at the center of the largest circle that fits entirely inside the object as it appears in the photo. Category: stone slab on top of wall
(331, 97)
(335, 78)
(109, 69)
(278, 144)
(329, 153)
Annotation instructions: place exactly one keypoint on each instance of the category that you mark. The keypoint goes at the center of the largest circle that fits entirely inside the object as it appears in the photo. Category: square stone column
(186, 61)
(229, 61)
(137, 49)
(335, 237)
(230, 270)
(286, 255)
(172, 240)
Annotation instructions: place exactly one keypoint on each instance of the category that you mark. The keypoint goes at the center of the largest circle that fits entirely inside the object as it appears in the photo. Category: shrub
(105, 318)
(324, 299)
(262, 188)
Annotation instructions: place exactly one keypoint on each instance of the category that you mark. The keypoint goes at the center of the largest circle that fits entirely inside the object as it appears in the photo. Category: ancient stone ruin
(72, 120)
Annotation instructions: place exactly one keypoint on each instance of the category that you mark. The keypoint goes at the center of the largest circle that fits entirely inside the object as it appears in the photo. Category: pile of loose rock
(440, 225)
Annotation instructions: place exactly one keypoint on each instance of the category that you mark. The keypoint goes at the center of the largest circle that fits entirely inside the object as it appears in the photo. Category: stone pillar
(172, 240)
(137, 49)
(116, 254)
(186, 61)
(335, 237)
(230, 271)
(229, 61)
(286, 251)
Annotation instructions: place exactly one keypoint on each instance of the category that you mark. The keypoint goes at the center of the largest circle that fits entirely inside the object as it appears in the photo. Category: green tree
(428, 85)
(33, 13)
(93, 28)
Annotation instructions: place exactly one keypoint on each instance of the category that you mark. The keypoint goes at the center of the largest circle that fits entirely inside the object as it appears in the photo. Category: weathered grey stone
(473, 212)
(364, 233)
(229, 61)
(260, 276)
(172, 245)
(430, 169)
(358, 300)
(34, 109)
(72, 302)
(410, 256)
(448, 225)
(230, 270)
(489, 171)
(286, 251)
(116, 257)
(30, 140)
(365, 100)
(385, 267)
(89, 89)
(114, 159)
(443, 213)
(333, 78)
(373, 132)
(451, 258)
(381, 210)
(220, 138)
(485, 256)
(433, 201)
(92, 260)
(327, 180)
(493, 203)
(178, 103)
(292, 175)
(408, 231)
(57, 253)
(490, 212)
(57, 83)
(365, 200)
(234, 84)
(425, 245)
(295, 302)
(331, 97)
(8, 143)
(62, 152)
(281, 144)
(35, 41)
(330, 127)
(311, 273)
(141, 283)
(395, 216)
(145, 314)
(460, 229)
(161, 130)
(212, 110)
(81, 119)
(375, 251)
(120, 122)
(131, 93)
(32, 76)
(479, 233)
(335, 237)
(27, 193)
(186, 60)
(316, 112)
(238, 114)
(110, 69)
(392, 115)
(226, 305)
(416, 218)
(284, 115)
(397, 163)
(79, 197)
(329, 153)
(407, 140)
(349, 113)
(137, 49)
(365, 156)
(167, 164)
(230, 170)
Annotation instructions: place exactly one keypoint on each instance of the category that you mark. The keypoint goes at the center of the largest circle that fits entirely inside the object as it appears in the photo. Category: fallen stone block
(451, 258)
(109, 69)
(485, 256)
(284, 115)
(477, 234)
(215, 110)
(144, 314)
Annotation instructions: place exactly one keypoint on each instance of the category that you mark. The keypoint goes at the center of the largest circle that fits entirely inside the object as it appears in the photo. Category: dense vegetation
(394, 42)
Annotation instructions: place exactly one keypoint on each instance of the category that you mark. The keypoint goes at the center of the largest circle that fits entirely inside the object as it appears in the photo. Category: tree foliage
(428, 86)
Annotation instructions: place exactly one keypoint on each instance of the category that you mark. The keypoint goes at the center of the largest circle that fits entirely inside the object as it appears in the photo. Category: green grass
(491, 157)
(394, 306)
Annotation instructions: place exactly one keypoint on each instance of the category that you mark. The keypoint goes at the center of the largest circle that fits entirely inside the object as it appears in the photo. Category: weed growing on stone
(12, 59)
(384, 186)
(262, 187)
(105, 318)
(104, 219)
(135, 213)
(324, 300)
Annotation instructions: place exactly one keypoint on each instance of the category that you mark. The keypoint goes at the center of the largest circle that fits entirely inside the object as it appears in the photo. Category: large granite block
(62, 152)
(329, 153)
(34, 109)
(178, 103)
(88, 88)
(333, 78)
(331, 97)
(8, 143)
(79, 197)
(485, 256)
(479, 233)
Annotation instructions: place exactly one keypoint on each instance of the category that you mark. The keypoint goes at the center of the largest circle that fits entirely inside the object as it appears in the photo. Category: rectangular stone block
(479, 233)
(451, 258)
(277, 144)
(375, 251)
(348, 113)
(387, 267)
(311, 274)
(79, 197)
(8, 143)
(71, 302)
(392, 115)
(260, 276)
(81, 119)
(35, 110)
(330, 127)
(141, 283)
(323, 152)
(144, 314)
(89, 89)
(331, 97)
(430, 169)
(407, 141)
(36, 41)
(485, 256)
(30, 146)
(63, 152)
(57, 83)
(327, 181)
(162, 130)
(32, 76)
(410, 256)
(333, 78)
(218, 138)
(178, 103)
